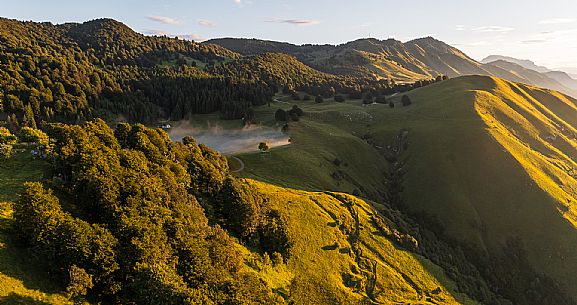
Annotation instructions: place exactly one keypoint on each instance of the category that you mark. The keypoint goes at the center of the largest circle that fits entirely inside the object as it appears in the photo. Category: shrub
(297, 110)
(406, 100)
(241, 207)
(381, 99)
(32, 135)
(280, 115)
(319, 99)
(79, 281)
(274, 235)
(294, 117)
(6, 151)
(263, 147)
(339, 98)
(6, 137)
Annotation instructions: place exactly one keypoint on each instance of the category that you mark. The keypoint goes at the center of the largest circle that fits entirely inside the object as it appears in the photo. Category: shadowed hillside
(494, 161)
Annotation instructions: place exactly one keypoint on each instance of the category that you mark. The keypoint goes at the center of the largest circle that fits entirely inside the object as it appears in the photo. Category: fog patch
(230, 141)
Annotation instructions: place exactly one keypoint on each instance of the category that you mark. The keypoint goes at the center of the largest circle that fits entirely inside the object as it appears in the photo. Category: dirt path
(276, 100)
(240, 162)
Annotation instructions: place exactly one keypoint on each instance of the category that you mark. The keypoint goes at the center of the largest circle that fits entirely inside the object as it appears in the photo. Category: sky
(544, 31)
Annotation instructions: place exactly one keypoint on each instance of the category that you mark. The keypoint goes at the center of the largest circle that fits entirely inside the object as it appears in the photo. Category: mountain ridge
(401, 61)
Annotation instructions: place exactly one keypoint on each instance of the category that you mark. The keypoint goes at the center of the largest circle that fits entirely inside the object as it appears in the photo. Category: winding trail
(241, 164)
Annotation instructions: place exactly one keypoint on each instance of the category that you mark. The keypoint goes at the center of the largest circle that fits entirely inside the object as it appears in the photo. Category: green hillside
(485, 209)
(491, 161)
(340, 249)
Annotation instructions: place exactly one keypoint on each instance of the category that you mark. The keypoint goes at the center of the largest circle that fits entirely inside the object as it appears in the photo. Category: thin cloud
(297, 22)
(557, 21)
(238, 2)
(163, 19)
(493, 29)
(206, 23)
(533, 41)
(194, 37)
(460, 28)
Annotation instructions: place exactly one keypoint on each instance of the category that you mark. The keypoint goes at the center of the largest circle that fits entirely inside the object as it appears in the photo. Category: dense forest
(122, 218)
(102, 68)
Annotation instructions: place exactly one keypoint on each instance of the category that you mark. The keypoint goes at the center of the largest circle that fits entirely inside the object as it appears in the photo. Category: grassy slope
(324, 232)
(329, 131)
(492, 159)
(316, 273)
(483, 164)
(20, 282)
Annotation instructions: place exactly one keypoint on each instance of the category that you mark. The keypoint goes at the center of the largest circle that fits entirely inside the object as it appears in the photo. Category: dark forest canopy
(122, 218)
(73, 72)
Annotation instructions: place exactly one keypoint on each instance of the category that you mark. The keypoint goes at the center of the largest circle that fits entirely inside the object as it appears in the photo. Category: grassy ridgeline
(490, 160)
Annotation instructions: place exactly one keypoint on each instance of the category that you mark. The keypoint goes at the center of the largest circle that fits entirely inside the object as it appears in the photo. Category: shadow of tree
(14, 299)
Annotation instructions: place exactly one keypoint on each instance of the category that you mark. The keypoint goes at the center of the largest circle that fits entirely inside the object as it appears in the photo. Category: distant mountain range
(525, 63)
(404, 62)
(562, 77)
(528, 64)
(413, 60)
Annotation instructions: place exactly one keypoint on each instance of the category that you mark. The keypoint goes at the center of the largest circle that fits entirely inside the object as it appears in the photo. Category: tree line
(75, 72)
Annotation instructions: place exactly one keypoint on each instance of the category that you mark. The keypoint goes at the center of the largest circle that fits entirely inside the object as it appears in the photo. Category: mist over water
(230, 141)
